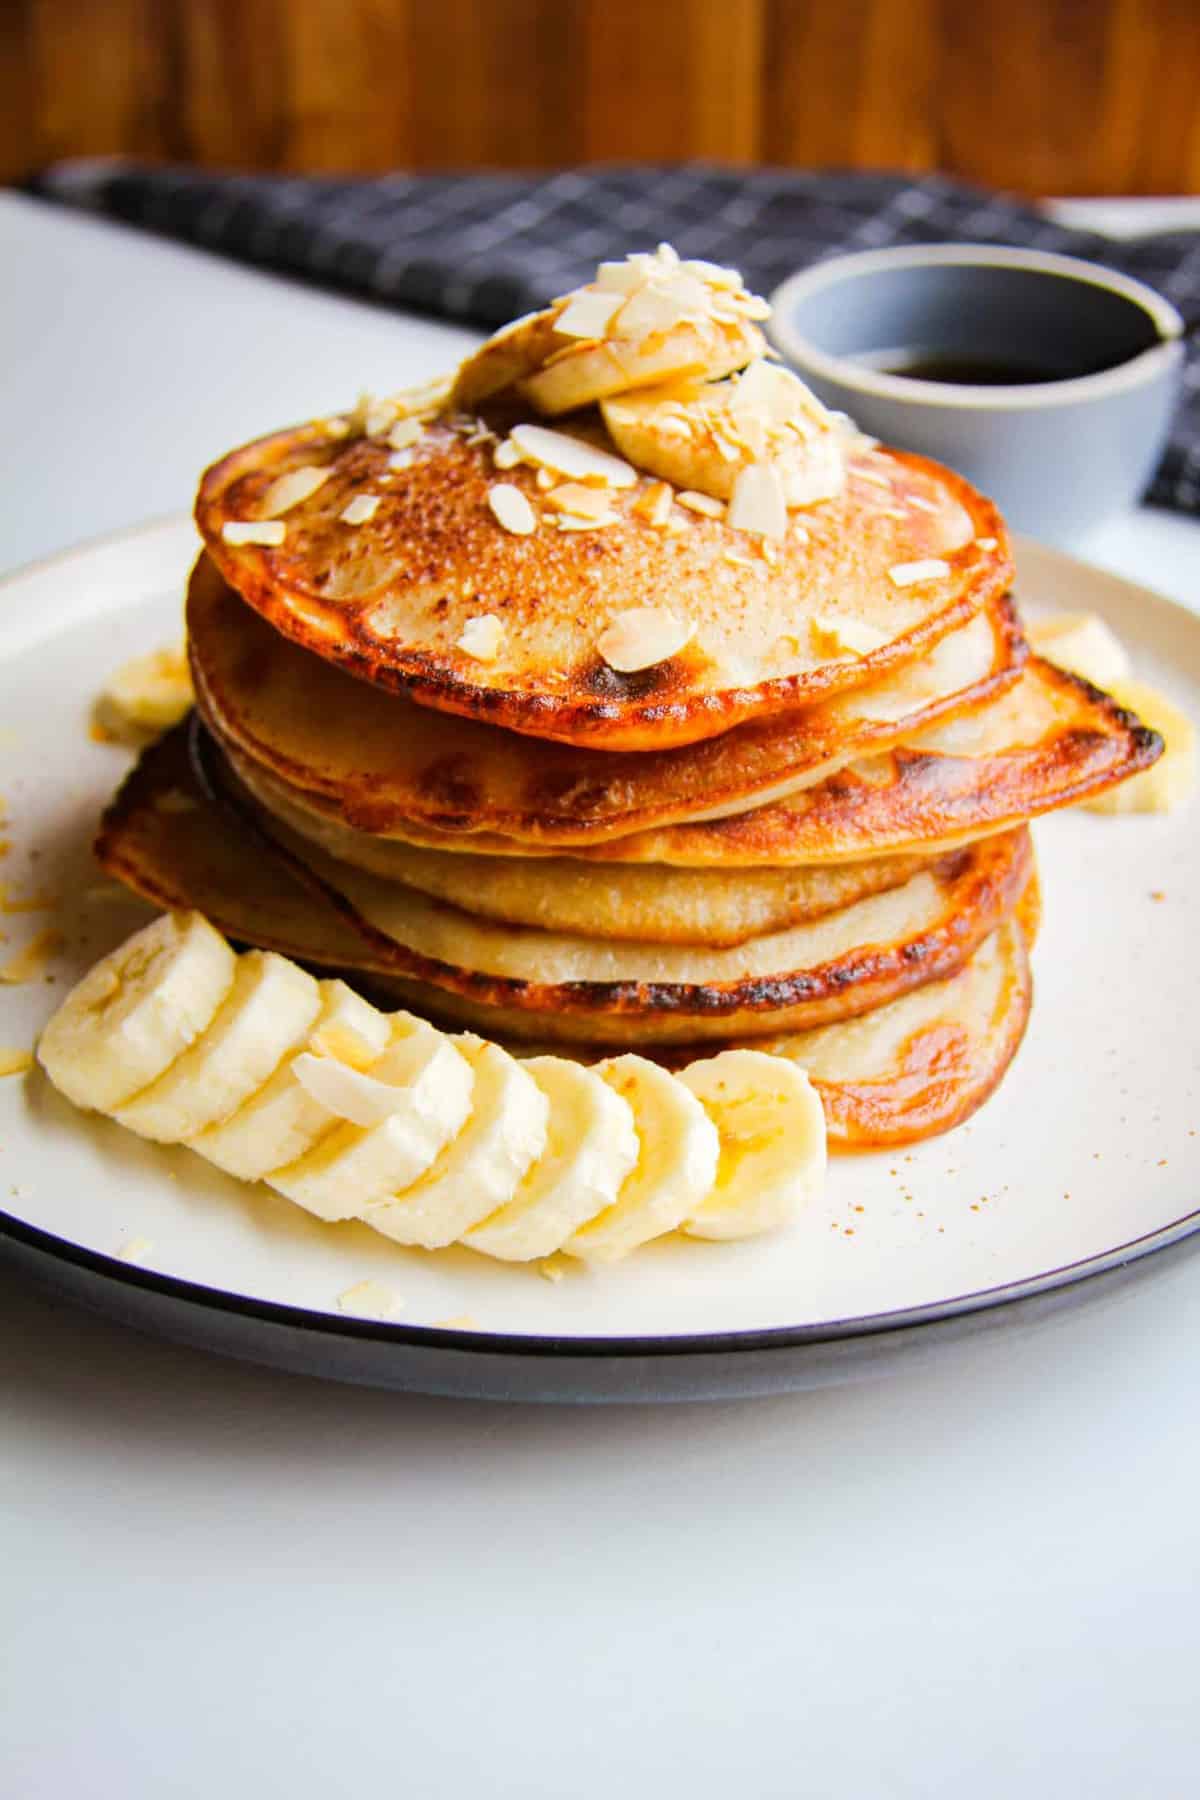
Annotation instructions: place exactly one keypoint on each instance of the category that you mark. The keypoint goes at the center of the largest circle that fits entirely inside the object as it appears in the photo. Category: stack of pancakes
(616, 762)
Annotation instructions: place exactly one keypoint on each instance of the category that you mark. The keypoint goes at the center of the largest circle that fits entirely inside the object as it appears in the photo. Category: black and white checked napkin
(481, 248)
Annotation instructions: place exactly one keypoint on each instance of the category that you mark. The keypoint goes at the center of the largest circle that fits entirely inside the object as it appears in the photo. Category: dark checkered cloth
(482, 248)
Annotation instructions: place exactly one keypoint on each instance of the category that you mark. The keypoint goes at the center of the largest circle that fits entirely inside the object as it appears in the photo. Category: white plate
(1088, 1146)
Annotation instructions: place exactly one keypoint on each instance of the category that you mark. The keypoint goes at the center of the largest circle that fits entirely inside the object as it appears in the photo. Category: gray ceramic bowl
(1056, 454)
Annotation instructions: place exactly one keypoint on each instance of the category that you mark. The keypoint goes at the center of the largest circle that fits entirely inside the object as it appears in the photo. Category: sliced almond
(400, 459)
(506, 455)
(289, 490)
(270, 532)
(587, 314)
(654, 505)
(482, 637)
(701, 503)
(986, 543)
(572, 522)
(360, 509)
(570, 456)
(404, 433)
(346, 1092)
(758, 502)
(642, 637)
(833, 637)
(511, 509)
(930, 568)
(583, 502)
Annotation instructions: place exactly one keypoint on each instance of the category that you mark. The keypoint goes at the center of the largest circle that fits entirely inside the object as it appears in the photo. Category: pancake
(649, 901)
(916, 1067)
(910, 1069)
(545, 984)
(376, 763)
(1051, 741)
(389, 599)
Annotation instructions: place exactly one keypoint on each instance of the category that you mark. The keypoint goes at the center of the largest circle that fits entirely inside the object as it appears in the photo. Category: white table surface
(980, 1576)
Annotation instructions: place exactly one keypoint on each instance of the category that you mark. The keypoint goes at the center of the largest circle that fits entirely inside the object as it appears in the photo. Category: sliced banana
(1167, 783)
(152, 692)
(429, 1139)
(482, 1168)
(703, 436)
(676, 1167)
(421, 1087)
(772, 1132)
(1082, 644)
(137, 1011)
(283, 1121)
(643, 321)
(591, 1146)
(269, 1008)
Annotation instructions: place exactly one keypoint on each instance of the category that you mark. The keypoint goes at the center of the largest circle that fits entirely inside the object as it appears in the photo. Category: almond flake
(654, 505)
(572, 457)
(833, 637)
(570, 522)
(511, 509)
(347, 1093)
(336, 428)
(290, 489)
(587, 314)
(986, 543)
(904, 575)
(481, 637)
(925, 506)
(360, 509)
(740, 562)
(873, 476)
(404, 433)
(758, 502)
(642, 637)
(702, 503)
(254, 531)
(506, 455)
(378, 417)
(583, 502)
(400, 459)
(545, 479)
(15, 1062)
(368, 1300)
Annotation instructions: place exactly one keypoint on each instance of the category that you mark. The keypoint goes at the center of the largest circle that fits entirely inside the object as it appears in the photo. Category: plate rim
(984, 1302)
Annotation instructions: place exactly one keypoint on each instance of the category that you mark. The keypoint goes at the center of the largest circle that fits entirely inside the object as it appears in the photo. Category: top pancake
(388, 599)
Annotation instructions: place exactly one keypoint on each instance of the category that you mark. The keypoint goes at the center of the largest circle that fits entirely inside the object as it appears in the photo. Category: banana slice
(772, 1132)
(283, 1121)
(643, 321)
(267, 1012)
(479, 1171)
(676, 1166)
(413, 1102)
(152, 692)
(1082, 644)
(704, 437)
(591, 1146)
(137, 1011)
(1167, 783)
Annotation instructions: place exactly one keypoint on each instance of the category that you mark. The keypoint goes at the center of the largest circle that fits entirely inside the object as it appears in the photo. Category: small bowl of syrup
(1047, 381)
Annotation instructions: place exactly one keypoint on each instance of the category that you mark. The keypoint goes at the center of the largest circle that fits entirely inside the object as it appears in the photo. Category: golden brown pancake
(1051, 741)
(931, 1058)
(549, 985)
(374, 762)
(388, 599)
(652, 902)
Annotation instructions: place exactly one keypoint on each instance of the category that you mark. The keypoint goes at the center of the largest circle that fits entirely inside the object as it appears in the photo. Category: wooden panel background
(1041, 96)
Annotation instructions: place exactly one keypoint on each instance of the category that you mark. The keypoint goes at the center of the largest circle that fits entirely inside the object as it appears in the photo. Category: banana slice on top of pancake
(650, 318)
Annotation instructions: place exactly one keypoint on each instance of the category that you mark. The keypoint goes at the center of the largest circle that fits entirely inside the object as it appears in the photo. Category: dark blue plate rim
(531, 1345)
